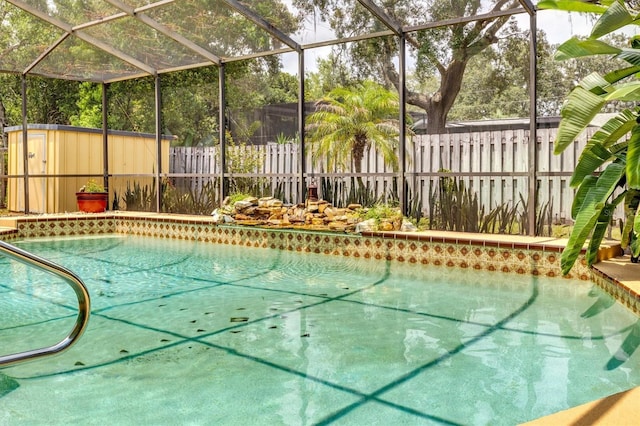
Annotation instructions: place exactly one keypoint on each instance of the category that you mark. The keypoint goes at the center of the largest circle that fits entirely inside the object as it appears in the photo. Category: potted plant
(92, 197)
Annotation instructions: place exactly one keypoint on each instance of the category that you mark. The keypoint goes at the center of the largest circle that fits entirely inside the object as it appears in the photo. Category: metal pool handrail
(84, 303)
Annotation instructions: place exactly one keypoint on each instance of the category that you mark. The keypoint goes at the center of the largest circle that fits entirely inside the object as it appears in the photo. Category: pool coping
(497, 253)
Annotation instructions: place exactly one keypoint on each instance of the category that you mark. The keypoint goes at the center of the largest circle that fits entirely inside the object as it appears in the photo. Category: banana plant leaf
(587, 216)
(635, 243)
(616, 16)
(599, 231)
(589, 182)
(625, 92)
(631, 202)
(633, 160)
(596, 152)
(621, 74)
(630, 55)
(578, 48)
(580, 108)
(584, 103)
(573, 6)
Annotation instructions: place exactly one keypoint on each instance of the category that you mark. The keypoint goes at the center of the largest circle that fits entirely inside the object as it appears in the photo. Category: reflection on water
(627, 349)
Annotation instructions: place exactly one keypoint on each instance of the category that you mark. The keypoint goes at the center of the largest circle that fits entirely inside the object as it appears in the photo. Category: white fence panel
(494, 164)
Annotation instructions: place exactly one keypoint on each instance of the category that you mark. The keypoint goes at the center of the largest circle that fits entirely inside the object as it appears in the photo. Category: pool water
(193, 333)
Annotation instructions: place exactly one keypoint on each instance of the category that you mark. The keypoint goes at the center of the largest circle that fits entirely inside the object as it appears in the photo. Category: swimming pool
(192, 333)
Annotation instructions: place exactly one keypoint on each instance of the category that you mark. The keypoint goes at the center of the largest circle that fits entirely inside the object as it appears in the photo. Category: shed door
(37, 145)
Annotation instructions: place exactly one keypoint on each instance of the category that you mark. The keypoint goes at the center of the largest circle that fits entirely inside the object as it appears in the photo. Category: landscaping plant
(608, 171)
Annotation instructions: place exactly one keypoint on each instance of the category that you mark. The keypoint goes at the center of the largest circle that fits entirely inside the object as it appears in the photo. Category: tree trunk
(358, 154)
(440, 103)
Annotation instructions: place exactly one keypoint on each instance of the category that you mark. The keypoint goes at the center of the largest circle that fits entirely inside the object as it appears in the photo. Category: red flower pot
(92, 202)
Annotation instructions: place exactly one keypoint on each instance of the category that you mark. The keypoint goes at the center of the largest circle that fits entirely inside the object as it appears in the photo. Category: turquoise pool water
(188, 333)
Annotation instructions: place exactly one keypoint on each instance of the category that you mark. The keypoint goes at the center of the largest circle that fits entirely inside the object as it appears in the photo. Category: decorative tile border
(8, 234)
(618, 290)
(418, 248)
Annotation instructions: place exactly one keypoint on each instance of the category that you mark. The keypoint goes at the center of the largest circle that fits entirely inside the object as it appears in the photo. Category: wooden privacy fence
(493, 164)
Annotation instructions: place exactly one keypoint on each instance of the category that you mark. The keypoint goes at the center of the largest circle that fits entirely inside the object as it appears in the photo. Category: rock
(322, 206)
(264, 201)
(242, 205)
(385, 226)
(311, 215)
(329, 212)
(408, 226)
(337, 226)
(220, 217)
(367, 225)
(250, 222)
(274, 203)
(243, 217)
(264, 211)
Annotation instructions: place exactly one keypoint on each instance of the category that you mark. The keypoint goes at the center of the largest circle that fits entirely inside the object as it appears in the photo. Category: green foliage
(615, 147)
(92, 186)
(379, 212)
(454, 207)
(234, 197)
(334, 191)
(440, 54)
(349, 121)
(241, 160)
(196, 202)
(544, 220)
(140, 198)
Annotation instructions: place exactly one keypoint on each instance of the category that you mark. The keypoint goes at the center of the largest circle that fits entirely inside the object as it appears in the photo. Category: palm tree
(350, 120)
(615, 147)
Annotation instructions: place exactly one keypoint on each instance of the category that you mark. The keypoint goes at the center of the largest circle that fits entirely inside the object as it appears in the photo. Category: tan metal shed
(67, 150)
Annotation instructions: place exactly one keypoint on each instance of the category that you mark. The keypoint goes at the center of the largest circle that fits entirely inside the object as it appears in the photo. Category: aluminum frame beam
(379, 13)
(82, 36)
(145, 19)
(262, 23)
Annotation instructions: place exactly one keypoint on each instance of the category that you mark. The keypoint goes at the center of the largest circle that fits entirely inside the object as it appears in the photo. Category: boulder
(242, 205)
(408, 226)
(367, 225)
(385, 225)
(264, 201)
(322, 206)
(220, 217)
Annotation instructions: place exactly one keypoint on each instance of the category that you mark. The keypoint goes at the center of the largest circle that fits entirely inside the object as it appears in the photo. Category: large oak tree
(444, 51)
